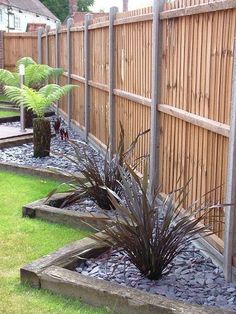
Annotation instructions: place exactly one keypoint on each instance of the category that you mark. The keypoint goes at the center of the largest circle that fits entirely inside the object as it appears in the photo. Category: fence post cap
(40, 30)
(58, 26)
(88, 17)
(70, 22)
(114, 10)
(47, 28)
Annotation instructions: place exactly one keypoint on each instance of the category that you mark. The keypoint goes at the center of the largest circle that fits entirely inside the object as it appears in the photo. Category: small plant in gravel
(38, 102)
(151, 235)
(94, 178)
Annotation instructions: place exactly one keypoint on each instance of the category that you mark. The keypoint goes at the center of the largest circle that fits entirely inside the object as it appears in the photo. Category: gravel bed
(23, 155)
(85, 206)
(192, 278)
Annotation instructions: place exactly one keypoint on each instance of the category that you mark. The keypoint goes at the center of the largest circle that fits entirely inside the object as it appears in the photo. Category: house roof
(34, 6)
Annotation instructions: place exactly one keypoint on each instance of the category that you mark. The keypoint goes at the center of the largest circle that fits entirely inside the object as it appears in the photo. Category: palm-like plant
(96, 176)
(151, 235)
(38, 102)
(36, 76)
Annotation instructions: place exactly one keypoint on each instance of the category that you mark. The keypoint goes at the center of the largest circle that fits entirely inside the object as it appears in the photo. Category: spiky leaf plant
(95, 178)
(151, 235)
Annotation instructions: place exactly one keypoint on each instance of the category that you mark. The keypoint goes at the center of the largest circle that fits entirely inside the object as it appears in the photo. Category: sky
(133, 4)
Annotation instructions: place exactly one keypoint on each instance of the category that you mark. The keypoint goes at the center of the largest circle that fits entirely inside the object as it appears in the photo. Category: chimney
(125, 5)
(73, 7)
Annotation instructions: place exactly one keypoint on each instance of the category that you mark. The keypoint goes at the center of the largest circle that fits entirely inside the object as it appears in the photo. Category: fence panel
(19, 45)
(197, 74)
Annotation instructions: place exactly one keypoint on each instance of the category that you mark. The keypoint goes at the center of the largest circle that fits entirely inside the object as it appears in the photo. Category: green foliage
(37, 101)
(151, 236)
(36, 75)
(25, 61)
(94, 179)
(60, 8)
(9, 78)
(25, 240)
(85, 5)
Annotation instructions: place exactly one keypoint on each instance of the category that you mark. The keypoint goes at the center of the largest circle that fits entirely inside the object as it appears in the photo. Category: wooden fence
(178, 55)
(19, 45)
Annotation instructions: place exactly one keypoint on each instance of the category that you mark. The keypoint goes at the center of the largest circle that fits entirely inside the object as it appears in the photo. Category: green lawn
(3, 98)
(24, 240)
(8, 113)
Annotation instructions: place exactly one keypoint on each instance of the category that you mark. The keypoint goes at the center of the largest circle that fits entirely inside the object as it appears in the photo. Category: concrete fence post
(40, 33)
(57, 47)
(87, 20)
(112, 109)
(156, 91)
(230, 216)
(70, 23)
(2, 55)
(47, 29)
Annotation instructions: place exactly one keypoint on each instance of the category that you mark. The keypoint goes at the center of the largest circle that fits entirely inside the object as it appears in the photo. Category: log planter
(41, 137)
(54, 272)
(29, 117)
(50, 210)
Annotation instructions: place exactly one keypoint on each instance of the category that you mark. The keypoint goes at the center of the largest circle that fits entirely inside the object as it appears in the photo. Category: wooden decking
(10, 132)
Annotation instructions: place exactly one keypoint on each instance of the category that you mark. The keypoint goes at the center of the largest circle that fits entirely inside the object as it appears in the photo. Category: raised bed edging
(53, 273)
(39, 172)
(16, 141)
(10, 119)
(17, 118)
(41, 210)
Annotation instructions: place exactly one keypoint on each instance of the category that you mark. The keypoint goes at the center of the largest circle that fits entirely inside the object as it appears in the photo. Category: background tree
(60, 8)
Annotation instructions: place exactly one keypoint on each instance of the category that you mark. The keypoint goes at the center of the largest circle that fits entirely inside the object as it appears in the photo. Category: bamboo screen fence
(195, 77)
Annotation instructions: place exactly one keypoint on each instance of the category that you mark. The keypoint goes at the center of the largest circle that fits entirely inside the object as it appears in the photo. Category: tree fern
(25, 61)
(9, 78)
(36, 75)
(53, 92)
(37, 101)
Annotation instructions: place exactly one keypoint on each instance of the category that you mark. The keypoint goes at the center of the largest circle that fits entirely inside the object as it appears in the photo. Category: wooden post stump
(29, 115)
(42, 137)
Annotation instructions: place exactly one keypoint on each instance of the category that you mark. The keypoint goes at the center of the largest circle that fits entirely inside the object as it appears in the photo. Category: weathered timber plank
(198, 9)
(30, 273)
(116, 298)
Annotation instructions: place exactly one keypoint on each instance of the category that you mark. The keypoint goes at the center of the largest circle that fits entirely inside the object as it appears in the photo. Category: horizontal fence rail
(167, 68)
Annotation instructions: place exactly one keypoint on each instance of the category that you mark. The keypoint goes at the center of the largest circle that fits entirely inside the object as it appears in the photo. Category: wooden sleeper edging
(53, 273)
(42, 210)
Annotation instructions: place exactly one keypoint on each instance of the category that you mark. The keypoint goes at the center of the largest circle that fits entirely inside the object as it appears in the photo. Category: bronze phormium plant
(96, 176)
(151, 235)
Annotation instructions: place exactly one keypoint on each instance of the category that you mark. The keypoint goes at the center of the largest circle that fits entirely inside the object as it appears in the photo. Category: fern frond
(36, 74)
(26, 61)
(37, 101)
(9, 78)
(14, 94)
(54, 92)
(56, 72)
(27, 97)
(34, 101)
